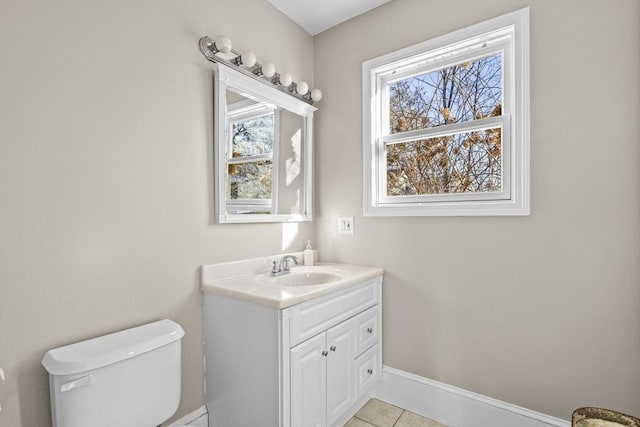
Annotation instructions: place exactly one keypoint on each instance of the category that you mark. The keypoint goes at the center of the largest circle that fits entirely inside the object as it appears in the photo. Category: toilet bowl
(93, 383)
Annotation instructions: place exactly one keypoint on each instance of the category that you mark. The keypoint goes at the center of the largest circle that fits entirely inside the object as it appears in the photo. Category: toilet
(130, 378)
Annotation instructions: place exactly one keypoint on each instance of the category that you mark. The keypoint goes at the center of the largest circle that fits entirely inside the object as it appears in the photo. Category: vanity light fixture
(220, 44)
(284, 79)
(268, 70)
(219, 50)
(302, 88)
(316, 95)
(247, 59)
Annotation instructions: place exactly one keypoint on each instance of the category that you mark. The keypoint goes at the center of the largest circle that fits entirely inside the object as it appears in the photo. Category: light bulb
(268, 70)
(248, 59)
(223, 44)
(286, 79)
(302, 88)
(316, 95)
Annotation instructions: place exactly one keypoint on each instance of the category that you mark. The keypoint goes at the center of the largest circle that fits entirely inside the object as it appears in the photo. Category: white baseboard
(197, 418)
(454, 406)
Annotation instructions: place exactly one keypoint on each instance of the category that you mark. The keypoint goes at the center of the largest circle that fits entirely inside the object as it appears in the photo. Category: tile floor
(376, 413)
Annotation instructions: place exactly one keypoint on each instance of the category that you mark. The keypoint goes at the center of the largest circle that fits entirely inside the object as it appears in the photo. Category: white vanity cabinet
(312, 364)
(323, 367)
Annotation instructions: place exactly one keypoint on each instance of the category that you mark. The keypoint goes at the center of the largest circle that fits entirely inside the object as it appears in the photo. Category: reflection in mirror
(251, 153)
(263, 153)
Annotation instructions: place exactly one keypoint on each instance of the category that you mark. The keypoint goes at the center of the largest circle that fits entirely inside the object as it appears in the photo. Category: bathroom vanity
(298, 350)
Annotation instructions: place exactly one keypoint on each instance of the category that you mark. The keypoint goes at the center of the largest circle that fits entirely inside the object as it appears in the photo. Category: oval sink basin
(303, 276)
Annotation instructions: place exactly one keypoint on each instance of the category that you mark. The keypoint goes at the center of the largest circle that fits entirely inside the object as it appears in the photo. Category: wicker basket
(598, 417)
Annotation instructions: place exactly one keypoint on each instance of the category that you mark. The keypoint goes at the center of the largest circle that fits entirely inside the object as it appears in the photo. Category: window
(446, 124)
(250, 157)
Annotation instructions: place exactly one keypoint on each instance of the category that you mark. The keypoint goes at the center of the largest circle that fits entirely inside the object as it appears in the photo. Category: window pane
(459, 163)
(252, 136)
(460, 93)
(250, 180)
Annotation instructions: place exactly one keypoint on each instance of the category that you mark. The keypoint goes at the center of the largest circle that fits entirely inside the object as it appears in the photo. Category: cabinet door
(309, 383)
(340, 369)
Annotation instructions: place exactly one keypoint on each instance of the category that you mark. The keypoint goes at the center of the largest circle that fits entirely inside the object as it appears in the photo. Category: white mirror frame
(228, 78)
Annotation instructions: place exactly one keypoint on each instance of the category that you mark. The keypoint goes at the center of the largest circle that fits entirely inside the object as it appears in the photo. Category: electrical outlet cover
(345, 225)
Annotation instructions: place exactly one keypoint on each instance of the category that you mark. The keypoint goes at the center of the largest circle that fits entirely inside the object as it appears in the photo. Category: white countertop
(228, 279)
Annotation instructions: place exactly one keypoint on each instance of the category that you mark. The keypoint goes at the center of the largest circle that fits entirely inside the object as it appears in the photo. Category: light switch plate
(345, 225)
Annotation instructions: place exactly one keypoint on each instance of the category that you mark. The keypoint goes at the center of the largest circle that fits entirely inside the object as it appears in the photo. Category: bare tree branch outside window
(252, 179)
(458, 163)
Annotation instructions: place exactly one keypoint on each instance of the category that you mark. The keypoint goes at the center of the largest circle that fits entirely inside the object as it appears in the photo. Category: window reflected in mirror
(264, 158)
(250, 155)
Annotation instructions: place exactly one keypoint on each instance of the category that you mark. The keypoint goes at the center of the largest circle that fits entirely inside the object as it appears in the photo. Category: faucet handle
(274, 268)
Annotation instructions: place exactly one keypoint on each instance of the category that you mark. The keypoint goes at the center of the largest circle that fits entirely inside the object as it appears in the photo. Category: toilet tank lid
(108, 349)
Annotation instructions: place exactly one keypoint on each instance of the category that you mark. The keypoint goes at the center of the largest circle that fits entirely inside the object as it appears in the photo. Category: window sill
(471, 208)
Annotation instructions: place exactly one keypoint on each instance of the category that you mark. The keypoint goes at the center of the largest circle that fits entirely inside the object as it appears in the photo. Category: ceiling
(315, 16)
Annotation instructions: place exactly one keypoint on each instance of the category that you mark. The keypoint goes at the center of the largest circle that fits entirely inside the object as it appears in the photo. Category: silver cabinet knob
(324, 352)
(332, 348)
(370, 371)
(370, 330)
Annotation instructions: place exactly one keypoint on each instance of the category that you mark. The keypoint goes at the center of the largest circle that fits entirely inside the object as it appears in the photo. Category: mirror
(262, 149)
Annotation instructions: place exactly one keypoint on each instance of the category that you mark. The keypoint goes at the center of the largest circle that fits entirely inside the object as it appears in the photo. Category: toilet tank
(129, 378)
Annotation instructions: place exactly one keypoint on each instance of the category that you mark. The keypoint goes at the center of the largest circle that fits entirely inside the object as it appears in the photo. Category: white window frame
(507, 34)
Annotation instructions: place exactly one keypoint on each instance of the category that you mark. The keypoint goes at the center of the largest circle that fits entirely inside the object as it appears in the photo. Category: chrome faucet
(282, 267)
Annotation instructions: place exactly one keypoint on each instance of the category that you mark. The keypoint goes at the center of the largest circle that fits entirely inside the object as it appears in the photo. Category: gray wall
(106, 175)
(540, 311)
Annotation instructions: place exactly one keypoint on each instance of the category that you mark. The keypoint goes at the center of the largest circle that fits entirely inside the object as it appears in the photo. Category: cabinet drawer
(367, 326)
(312, 317)
(367, 370)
